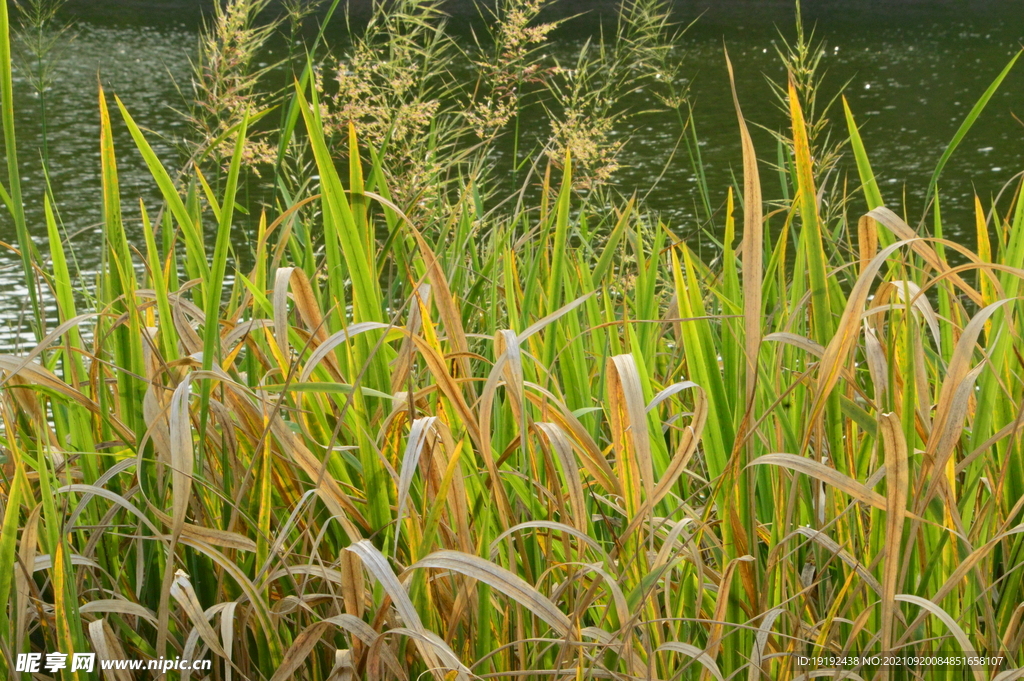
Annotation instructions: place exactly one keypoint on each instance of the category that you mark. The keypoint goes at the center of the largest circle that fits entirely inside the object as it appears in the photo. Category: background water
(914, 69)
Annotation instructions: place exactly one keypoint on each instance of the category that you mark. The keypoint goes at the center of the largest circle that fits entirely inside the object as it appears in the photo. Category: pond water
(914, 69)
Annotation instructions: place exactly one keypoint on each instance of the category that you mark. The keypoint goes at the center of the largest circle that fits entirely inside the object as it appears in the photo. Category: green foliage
(495, 440)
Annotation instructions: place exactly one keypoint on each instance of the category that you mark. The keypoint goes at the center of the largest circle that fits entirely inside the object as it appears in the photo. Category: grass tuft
(430, 431)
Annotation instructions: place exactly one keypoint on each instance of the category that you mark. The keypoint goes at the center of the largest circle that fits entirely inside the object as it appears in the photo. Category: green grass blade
(219, 262)
(967, 124)
(339, 223)
(119, 279)
(869, 183)
(811, 234)
(14, 201)
(189, 229)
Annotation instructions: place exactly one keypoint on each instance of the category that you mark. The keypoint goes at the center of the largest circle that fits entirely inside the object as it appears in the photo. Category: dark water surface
(915, 68)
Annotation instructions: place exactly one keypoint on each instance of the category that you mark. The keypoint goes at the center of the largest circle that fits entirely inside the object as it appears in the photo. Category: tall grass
(41, 38)
(503, 441)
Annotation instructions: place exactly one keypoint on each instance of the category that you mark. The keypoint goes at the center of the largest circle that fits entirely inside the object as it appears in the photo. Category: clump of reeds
(805, 60)
(474, 450)
(593, 98)
(512, 62)
(438, 113)
(227, 78)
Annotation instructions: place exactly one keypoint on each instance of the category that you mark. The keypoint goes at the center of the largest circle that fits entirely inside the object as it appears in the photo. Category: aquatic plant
(39, 42)
(465, 445)
(226, 82)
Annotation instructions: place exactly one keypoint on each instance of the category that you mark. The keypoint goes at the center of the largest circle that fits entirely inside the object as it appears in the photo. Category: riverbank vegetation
(423, 429)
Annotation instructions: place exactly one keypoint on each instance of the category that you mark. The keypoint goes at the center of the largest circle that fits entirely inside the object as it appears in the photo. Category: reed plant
(227, 81)
(39, 42)
(504, 440)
